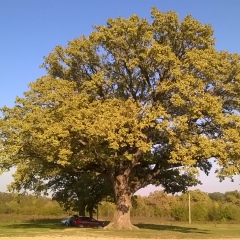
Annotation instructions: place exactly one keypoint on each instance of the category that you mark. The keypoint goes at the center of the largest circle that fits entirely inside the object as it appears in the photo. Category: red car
(87, 222)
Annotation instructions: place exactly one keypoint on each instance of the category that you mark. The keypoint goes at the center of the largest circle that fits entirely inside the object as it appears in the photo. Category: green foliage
(224, 212)
(217, 196)
(161, 205)
(196, 196)
(160, 202)
(140, 208)
(106, 209)
(233, 197)
(200, 211)
(199, 201)
(29, 205)
(80, 192)
(180, 212)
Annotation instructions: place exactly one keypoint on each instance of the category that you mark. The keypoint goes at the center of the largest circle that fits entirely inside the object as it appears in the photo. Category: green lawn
(154, 229)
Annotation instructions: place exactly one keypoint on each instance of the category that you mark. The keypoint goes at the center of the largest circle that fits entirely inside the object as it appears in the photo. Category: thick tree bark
(121, 219)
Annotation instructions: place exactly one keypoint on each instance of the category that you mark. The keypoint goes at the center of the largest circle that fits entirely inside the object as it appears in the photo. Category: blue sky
(30, 29)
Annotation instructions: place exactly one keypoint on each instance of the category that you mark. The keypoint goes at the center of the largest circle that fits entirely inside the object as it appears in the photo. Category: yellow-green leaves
(150, 95)
(119, 123)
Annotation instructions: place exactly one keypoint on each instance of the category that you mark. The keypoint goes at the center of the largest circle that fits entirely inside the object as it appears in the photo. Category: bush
(106, 209)
(224, 212)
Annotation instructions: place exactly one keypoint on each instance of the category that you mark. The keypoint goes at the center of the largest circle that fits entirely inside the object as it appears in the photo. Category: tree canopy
(140, 102)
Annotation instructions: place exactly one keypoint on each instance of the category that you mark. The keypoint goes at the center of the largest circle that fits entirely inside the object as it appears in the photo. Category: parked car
(69, 221)
(82, 222)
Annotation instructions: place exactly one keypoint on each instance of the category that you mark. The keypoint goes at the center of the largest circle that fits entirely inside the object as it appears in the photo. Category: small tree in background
(139, 207)
(200, 205)
(80, 192)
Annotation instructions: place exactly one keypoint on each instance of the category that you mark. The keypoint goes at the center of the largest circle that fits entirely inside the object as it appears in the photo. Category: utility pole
(189, 208)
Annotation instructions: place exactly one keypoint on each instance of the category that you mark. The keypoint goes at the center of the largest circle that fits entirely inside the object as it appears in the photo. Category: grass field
(148, 229)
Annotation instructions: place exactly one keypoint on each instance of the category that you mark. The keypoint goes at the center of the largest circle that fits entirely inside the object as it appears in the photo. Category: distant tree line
(29, 205)
(218, 207)
(215, 206)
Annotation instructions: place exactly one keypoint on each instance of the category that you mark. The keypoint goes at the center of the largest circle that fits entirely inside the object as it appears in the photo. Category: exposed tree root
(121, 222)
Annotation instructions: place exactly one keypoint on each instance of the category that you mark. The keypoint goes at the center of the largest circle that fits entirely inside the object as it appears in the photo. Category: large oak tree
(140, 102)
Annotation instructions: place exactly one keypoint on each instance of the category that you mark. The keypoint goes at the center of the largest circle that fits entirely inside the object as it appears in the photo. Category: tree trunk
(91, 211)
(121, 219)
(81, 209)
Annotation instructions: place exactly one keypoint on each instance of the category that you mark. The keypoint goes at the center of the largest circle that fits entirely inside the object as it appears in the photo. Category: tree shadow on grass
(37, 223)
(40, 224)
(57, 225)
(172, 228)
